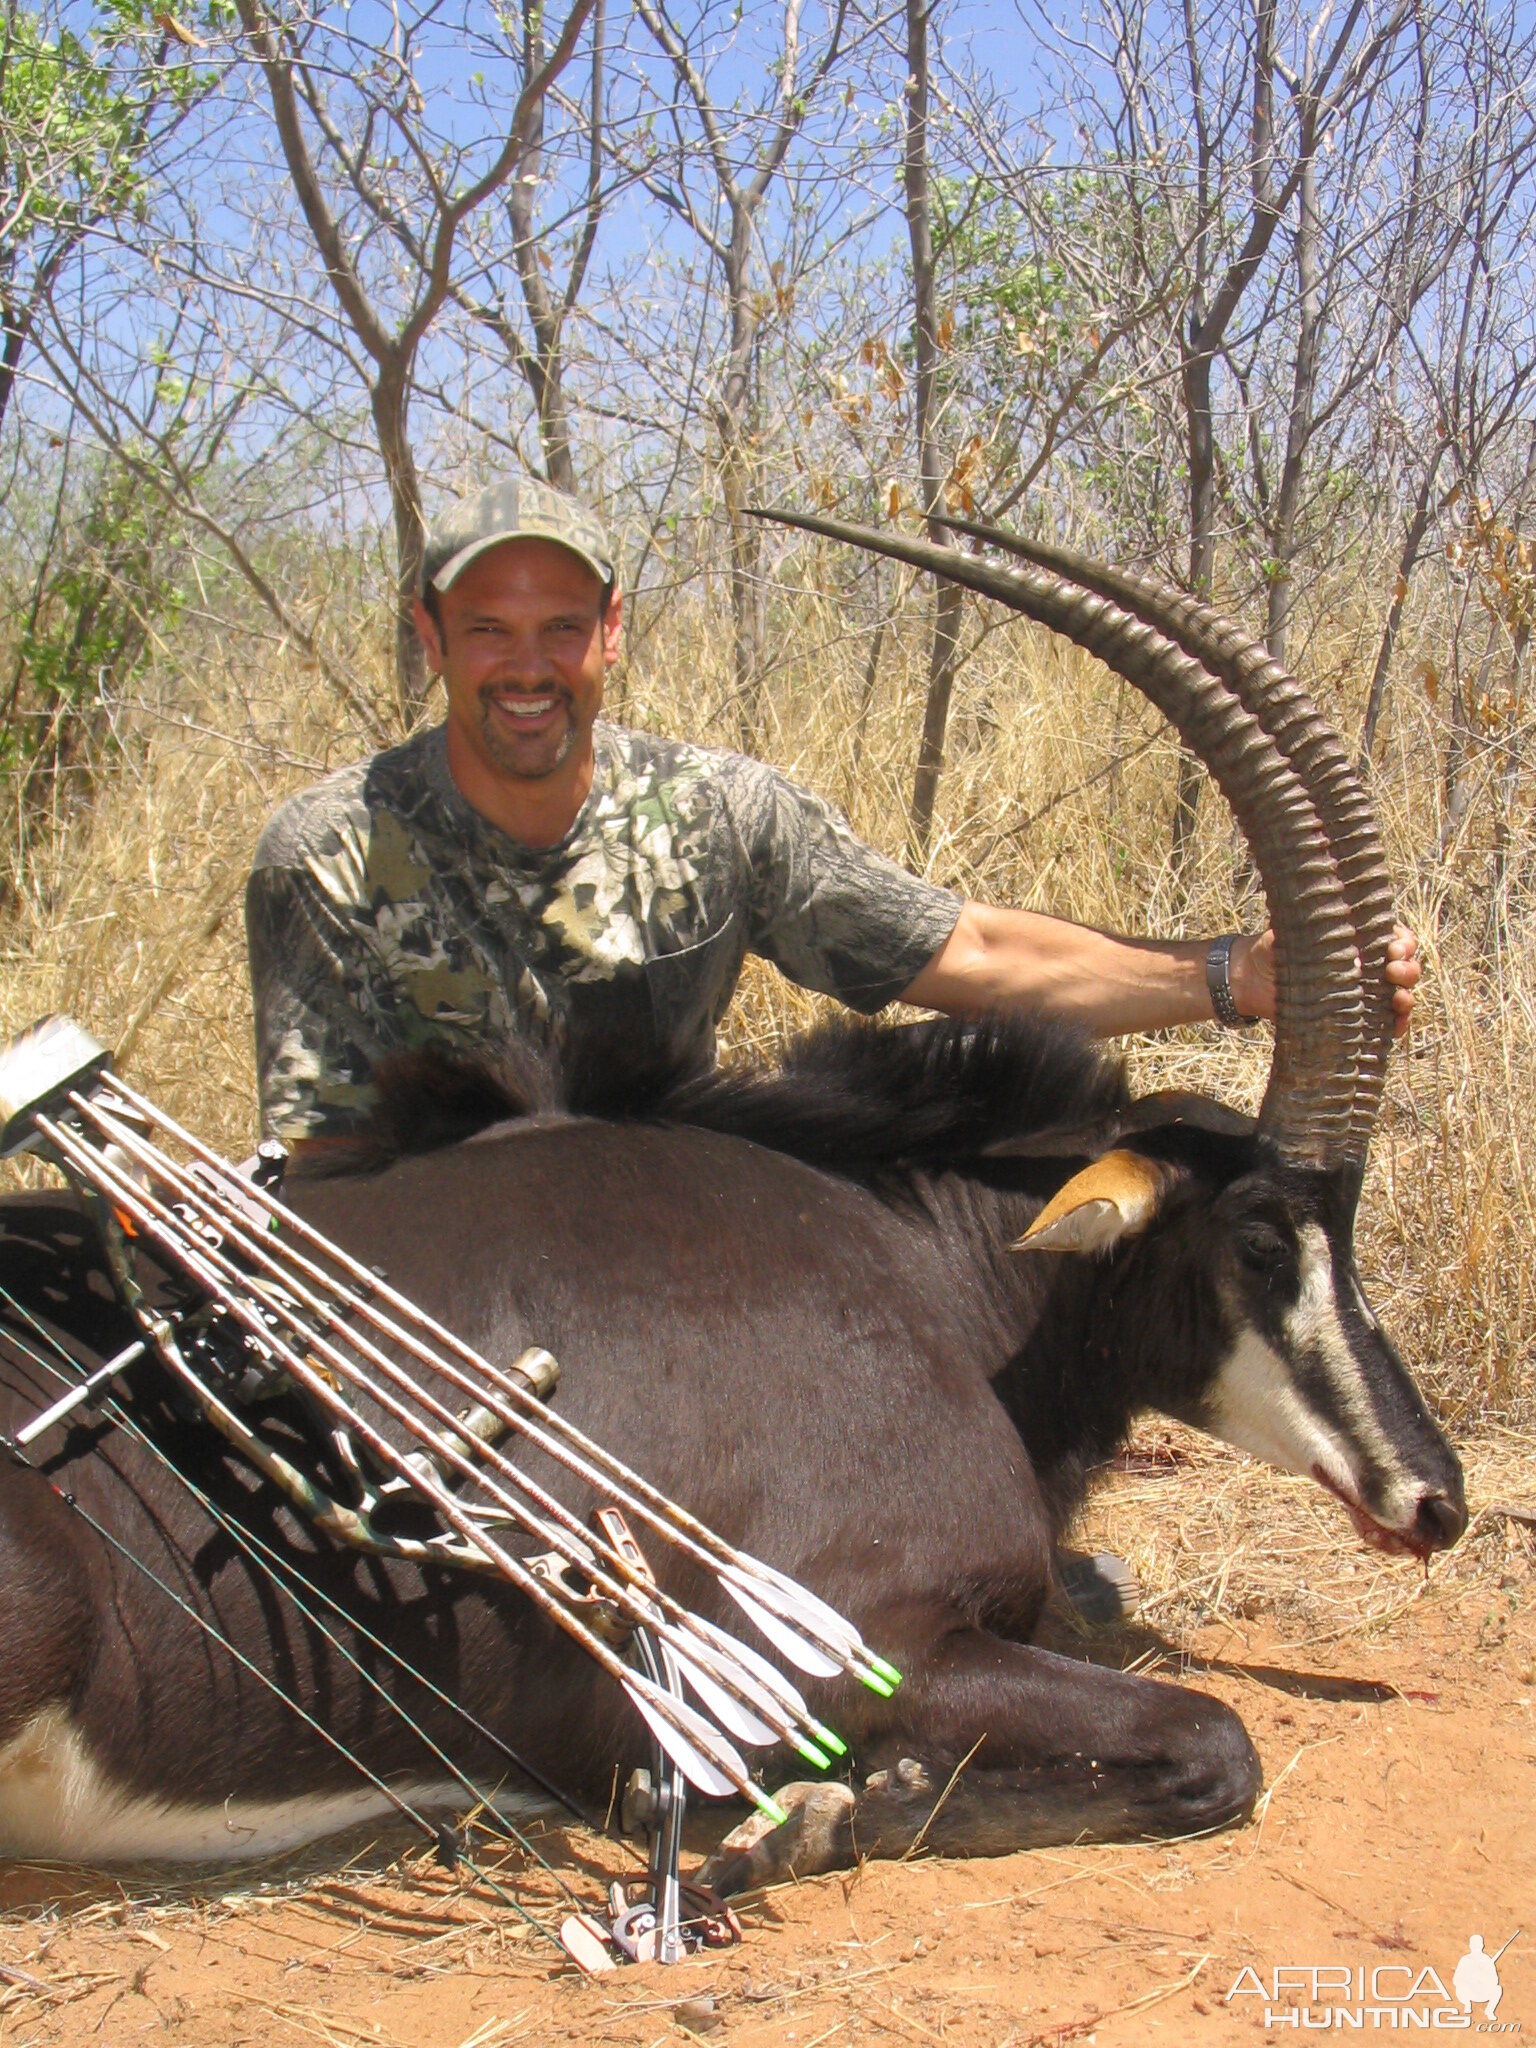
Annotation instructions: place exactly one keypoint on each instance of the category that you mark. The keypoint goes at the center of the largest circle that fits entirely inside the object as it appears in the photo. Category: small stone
(698, 2015)
(748, 1833)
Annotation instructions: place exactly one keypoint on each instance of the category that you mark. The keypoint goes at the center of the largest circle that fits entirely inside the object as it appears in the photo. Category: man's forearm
(998, 960)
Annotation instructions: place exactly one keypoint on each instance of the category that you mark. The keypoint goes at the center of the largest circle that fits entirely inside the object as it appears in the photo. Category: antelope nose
(1439, 1521)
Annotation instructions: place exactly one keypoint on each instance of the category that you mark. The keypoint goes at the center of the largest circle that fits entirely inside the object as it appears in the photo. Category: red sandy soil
(1400, 1818)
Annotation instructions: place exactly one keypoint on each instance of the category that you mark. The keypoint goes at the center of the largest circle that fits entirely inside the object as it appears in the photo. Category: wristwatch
(1218, 964)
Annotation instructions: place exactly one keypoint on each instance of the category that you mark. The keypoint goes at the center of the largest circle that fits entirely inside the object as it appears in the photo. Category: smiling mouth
(514, 720)
(523, 710)
(1370, 1531)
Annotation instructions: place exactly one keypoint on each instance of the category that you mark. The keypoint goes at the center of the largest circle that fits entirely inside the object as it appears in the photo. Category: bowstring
(269, 1563)
(245, 1537)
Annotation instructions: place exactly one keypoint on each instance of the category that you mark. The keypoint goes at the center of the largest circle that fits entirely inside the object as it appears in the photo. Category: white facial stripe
(1257, 1403)
(57, 1802)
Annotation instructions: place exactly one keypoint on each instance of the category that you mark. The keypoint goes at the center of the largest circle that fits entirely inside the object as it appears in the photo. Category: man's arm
(319, 1031)
(997, 959)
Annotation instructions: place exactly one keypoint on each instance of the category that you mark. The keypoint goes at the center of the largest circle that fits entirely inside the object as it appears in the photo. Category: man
(527, 868)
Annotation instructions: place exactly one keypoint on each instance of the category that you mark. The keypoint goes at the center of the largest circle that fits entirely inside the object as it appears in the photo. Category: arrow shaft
(150, 1218)
(577, 1453)
(666, 1516)
(639, 1607)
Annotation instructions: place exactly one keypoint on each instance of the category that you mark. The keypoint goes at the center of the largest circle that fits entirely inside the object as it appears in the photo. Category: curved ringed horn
(1306, 739)
(1310, 1092)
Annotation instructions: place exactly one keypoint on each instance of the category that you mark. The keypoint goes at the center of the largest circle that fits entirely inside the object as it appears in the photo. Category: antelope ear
(1115, 1197)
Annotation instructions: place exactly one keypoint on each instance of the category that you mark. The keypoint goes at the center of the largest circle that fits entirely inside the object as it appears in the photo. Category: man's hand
(1253, 976)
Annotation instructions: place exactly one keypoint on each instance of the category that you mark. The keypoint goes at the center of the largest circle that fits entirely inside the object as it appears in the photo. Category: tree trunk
(13, 325)
(735, 407)
(867, 694)
(734, 423)
(555, 430)
(1282, 586)
(544, 372)
(393, 353)
(1196, 380)
(389, 400)
(1413, 540)
(544, 365)
(944, 647)
(736, 477)
(16, 317)
(943, 659)
(1506, 791)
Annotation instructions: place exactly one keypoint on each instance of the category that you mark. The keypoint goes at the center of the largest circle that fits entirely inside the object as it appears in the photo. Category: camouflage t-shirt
(384, 913)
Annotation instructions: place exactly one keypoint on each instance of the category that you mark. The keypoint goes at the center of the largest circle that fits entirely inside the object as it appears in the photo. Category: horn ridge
(1313, 748)
(1311, 1086)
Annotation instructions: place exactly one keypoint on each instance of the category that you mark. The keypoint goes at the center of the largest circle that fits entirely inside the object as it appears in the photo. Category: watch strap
(1218, 979)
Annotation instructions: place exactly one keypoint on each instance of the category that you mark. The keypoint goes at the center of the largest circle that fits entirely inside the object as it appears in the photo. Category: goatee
(513, 757)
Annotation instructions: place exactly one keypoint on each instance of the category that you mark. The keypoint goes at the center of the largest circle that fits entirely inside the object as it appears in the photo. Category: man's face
(524, 644)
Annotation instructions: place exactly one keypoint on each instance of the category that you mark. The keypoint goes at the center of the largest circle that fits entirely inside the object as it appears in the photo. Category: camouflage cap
(518, 508)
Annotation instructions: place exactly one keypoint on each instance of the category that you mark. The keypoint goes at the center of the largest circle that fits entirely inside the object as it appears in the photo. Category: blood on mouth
(1369, 1530)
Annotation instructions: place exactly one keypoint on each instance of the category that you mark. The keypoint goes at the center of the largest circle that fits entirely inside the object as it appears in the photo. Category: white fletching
(735, 1718)
(667, 1720)
(799, 1603)
(786, 1695)
(787, 1641)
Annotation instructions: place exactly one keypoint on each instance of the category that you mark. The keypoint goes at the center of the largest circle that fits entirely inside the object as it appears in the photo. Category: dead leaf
(179, 33)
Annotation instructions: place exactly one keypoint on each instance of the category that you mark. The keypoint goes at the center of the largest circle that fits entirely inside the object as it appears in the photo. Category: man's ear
(613, 627)
(430, 636)
(1114, 1198)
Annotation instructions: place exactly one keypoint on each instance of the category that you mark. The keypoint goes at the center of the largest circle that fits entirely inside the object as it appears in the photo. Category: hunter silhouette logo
(1476, 1981)
(1370, 1996)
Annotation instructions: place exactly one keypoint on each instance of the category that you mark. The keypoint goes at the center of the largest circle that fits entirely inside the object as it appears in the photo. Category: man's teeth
(525, 707)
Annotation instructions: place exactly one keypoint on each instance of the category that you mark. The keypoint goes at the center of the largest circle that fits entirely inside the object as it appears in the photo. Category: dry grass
(1247, 1584)
(1214, 1536)
(127, 913)
(382, 1914)
(1056, 796)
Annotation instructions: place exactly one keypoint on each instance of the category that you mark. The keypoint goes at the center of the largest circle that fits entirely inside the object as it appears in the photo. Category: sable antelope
(873, 1315)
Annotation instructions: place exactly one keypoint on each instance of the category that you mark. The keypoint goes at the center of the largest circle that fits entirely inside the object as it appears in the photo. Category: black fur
(788, 1296)
(849, 1097)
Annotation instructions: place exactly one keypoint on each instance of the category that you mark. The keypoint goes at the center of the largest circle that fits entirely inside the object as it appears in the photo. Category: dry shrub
(1056, 796)
(126, 910)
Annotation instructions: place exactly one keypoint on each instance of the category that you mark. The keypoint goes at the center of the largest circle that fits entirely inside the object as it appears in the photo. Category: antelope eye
(1261, 1246)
